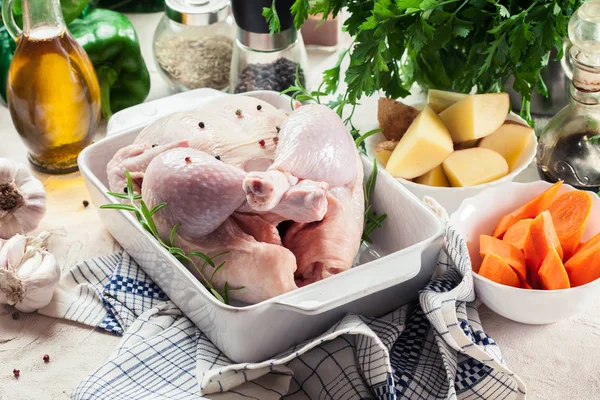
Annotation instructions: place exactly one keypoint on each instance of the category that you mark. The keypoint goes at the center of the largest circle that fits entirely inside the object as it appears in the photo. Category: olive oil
(53, 97)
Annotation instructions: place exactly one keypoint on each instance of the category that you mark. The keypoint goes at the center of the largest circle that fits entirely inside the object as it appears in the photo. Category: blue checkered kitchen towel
(434, 349)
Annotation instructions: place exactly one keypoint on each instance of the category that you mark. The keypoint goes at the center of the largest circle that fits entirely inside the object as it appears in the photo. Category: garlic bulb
(28, 273)
(22, 199)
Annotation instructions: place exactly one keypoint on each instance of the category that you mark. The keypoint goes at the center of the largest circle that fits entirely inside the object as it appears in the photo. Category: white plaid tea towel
(434, 349)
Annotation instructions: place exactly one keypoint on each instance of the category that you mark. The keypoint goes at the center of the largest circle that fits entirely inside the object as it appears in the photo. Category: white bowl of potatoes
(453, 147)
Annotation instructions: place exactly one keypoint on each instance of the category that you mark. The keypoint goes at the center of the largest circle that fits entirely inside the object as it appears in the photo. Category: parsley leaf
(270, 14)
(300, 11)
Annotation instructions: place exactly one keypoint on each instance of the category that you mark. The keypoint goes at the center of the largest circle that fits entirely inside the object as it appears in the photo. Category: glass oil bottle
(569, 146)
(52, 91)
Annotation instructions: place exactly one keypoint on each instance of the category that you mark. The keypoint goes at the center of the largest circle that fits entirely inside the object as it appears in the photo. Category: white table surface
(558, 361)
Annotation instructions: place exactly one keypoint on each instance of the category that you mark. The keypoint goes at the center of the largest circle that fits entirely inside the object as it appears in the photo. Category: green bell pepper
(132, 6)
(110, 41)
(7, 49)
(71, 9)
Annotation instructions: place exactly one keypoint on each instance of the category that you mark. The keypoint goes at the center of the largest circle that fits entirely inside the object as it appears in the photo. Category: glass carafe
(568, 148)
(52, 91)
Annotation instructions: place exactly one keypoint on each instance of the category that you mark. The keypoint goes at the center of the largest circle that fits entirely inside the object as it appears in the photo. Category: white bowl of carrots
(535, 249)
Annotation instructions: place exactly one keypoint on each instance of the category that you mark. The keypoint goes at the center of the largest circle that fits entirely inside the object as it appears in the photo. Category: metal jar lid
(197, 12)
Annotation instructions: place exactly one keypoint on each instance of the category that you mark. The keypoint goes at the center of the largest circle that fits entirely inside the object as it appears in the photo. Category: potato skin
(388, 145)
(394, 117)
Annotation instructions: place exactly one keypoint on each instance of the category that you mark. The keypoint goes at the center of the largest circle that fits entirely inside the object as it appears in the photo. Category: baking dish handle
(437, 209)
(356, 285)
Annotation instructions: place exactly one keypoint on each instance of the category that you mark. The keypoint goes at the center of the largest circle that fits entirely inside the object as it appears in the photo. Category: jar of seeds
(193, 44)
(264, 61)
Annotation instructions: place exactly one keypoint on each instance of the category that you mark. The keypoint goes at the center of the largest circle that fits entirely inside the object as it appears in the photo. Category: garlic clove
(31, 185)
(7, 170)
(40, 285)
(11, 287)
(22, 199)
(30, 265)
(12, 252)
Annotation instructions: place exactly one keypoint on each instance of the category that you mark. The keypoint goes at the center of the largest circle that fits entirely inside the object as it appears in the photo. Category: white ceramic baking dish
(410, 242)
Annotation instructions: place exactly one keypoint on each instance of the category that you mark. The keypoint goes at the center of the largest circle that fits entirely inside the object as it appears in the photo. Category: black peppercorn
(125, 189)
(278, 76)
(201, 125)
(154, 145)
(218, 158)
(259, 107)
(86, 203)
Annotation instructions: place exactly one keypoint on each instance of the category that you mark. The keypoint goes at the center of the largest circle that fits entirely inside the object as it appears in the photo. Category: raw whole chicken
(279, 198)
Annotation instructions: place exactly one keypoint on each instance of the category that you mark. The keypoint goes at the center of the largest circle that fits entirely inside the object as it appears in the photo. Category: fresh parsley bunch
(444, 44)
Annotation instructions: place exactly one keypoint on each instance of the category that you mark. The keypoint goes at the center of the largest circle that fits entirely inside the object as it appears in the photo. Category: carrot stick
(517, 233)
(509, 253)
(584, 266)
(529, 210)
(570, 212)
(552, 273)
(542, 237)
(494, 268)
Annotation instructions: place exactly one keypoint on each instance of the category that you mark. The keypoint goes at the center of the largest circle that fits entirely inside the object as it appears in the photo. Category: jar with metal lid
(261, 60)
(193, 44)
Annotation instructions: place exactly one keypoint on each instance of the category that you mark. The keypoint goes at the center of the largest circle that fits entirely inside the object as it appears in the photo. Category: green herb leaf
(125, 207)
(215, 271)
(148, 218)
(370, 187)
(157, 207)
(300, 10)
(204, 257)
(118, 195)
(173, 233)
(270, 14)
(362, 138)
(503, 11)
(130, 193)
(226, 293)
(217, 295)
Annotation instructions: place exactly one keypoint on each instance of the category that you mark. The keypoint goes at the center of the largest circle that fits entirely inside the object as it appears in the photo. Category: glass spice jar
(261, 60)
(569, 147)
(193, 44)
(319, 34)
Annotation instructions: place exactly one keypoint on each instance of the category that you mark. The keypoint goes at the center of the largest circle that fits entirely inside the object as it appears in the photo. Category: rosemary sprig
(145, 217)
(595, 139)
(372, 220)
(298, 92)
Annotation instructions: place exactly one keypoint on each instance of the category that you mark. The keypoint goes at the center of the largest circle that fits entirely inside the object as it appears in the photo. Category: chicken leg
(201, 192)
(202, 195)
(313, 146)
